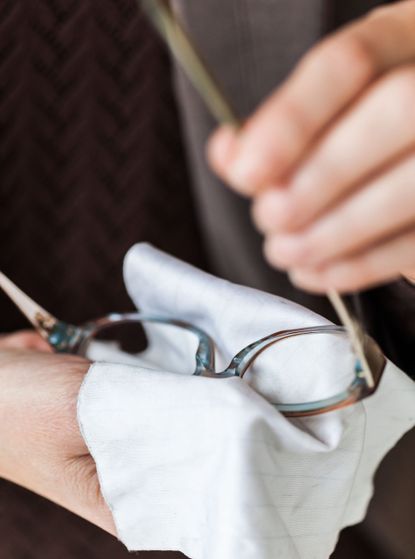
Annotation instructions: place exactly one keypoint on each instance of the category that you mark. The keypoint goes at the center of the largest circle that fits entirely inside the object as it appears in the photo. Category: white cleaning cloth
(208, 467)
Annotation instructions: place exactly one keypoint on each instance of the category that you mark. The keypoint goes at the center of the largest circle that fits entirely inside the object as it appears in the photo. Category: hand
(329, 159)
(41, 446)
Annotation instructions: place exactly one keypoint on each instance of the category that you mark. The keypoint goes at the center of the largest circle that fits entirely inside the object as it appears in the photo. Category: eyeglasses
(345, 364)
(335, 376)
(183, 48)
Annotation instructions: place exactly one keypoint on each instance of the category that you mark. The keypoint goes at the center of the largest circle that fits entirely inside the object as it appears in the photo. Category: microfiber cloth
(209, 467)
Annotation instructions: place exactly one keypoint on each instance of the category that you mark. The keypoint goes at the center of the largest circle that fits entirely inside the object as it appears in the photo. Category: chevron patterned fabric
(91, 158)
(91, 161)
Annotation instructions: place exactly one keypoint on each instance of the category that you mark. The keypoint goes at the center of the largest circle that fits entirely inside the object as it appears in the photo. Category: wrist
(38, 423)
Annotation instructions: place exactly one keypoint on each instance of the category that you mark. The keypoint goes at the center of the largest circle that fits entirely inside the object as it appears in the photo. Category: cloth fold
(209, 467)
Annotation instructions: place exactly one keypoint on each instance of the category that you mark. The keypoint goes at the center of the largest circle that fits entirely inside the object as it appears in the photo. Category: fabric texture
(208, 467)
(90, 149)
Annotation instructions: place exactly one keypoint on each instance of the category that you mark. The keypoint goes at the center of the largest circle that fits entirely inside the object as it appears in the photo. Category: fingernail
(273, 210)
(221, 147)
(243, 172)
(287, 250)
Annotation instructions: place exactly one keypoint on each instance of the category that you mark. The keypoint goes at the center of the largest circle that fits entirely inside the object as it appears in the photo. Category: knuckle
(311, 247)
(301, 124)
(356, 55)
(348, 55)
(379, 13)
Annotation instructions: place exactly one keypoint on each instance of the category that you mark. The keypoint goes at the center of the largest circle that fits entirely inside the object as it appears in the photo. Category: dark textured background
(91, 158)
(91, 161)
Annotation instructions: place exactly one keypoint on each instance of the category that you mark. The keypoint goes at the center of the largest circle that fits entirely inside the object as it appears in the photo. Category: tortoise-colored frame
(67, 338)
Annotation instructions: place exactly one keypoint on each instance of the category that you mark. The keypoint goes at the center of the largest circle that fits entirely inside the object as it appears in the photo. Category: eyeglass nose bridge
(243, 359)
(205, 352)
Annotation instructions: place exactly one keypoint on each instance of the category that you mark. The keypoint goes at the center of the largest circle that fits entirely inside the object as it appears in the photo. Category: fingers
(278, 136)
(26, 339)
(373, 266)
(321, 157)
(372, 135)
(376, 212)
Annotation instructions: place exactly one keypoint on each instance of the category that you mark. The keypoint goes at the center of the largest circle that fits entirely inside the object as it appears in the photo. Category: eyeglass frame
(239, 364)
(67, 338)
(164, 18)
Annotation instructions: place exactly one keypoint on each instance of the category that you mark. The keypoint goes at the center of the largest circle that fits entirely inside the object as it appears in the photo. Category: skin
(329, 161)
(41, 446)
(329, 158)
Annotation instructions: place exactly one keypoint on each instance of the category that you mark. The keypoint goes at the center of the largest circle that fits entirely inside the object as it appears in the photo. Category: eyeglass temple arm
(41, 319)
(181, 45)
(356, 334)
(179, 42)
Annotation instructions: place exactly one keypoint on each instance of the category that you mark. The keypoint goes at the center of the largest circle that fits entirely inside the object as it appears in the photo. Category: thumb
(26, 339)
